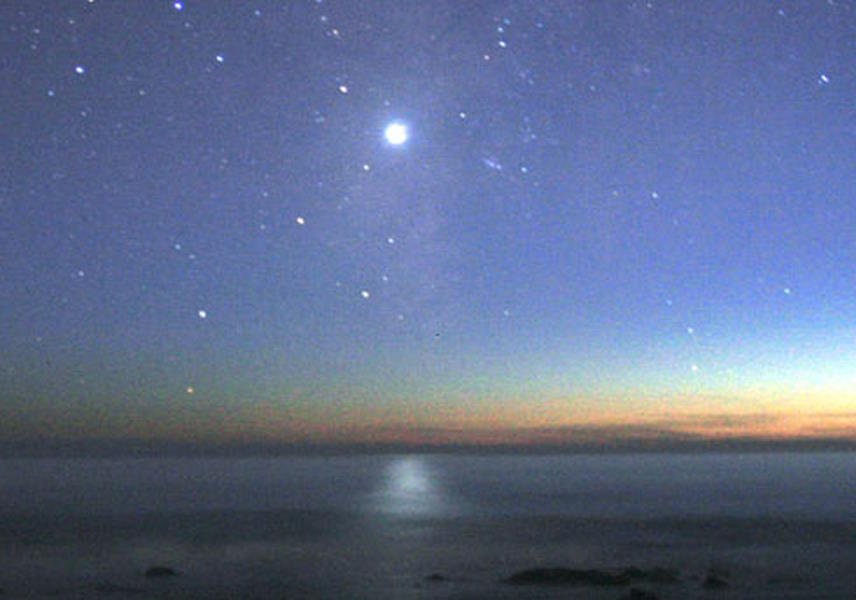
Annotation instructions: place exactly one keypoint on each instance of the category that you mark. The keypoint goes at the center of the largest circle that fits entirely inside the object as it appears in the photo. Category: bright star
(395, 133)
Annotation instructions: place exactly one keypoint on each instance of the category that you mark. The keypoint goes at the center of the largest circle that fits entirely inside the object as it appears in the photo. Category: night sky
(494, 222)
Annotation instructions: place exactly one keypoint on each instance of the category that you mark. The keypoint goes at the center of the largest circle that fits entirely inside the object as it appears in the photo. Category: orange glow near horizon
(551, 422)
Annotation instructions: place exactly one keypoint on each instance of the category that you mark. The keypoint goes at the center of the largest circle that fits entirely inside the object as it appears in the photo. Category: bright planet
(396, 133)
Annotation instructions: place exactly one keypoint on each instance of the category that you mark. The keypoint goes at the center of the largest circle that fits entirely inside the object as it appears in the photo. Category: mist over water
(377, 525)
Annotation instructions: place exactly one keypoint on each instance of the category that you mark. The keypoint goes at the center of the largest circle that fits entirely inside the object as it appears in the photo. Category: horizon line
(103, 448)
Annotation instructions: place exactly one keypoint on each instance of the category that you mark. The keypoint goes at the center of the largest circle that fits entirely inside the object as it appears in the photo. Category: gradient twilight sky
(608, 218)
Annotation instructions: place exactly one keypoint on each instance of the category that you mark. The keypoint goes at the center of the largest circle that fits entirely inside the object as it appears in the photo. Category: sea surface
(778, 525)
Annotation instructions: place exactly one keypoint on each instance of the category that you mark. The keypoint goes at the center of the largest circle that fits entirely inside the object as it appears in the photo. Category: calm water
(780, 525)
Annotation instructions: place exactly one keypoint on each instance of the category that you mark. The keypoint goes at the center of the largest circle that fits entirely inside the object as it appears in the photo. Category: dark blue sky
(605, 214)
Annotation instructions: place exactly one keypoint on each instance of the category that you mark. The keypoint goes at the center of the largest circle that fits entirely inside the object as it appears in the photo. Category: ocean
(762, 525)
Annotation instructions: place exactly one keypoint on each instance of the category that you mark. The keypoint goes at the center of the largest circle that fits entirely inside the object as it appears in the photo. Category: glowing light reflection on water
(410, 486)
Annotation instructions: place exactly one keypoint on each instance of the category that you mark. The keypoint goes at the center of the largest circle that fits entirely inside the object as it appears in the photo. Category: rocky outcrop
(591, 577)
(638, 594)
(714, 581)
(655, 575)
(563, 576)
(160, 571)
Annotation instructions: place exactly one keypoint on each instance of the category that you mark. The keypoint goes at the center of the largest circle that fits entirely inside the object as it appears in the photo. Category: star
(396, 133)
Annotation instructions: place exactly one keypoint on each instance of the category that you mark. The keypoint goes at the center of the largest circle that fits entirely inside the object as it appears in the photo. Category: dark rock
(714, 582)
(437, 577)
(561, 576)
(655, 575)
(638, 594)
(593, 577)
(661, 575)
(160, 571)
